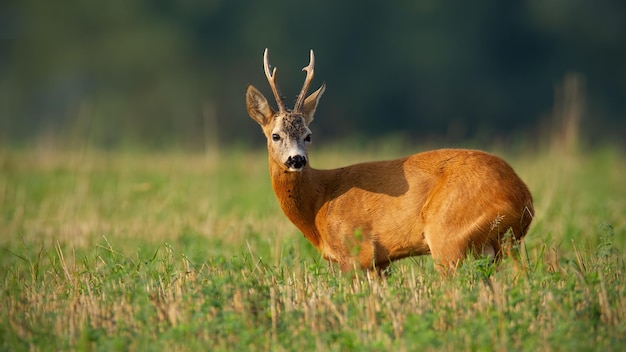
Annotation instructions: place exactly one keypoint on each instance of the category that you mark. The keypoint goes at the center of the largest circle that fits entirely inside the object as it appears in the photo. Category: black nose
(296, 162)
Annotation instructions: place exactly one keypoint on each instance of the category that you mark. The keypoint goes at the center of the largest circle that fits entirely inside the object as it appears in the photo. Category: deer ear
(310, 104)
(258, 107)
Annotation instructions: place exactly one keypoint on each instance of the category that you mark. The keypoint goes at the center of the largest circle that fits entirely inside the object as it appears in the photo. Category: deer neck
(300, 197)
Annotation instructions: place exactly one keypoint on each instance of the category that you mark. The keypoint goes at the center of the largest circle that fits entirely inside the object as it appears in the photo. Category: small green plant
(358, 240)
(605, 245)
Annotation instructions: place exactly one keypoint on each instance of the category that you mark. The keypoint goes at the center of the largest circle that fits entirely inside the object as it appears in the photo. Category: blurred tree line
(162, 72)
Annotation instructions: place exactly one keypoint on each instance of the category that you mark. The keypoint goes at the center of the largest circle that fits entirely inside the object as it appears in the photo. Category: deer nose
(296, 162)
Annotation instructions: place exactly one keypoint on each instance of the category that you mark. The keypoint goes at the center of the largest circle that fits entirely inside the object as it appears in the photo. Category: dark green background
(174, 73)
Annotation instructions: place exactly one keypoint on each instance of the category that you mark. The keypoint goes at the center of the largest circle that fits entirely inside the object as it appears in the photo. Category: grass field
(184, 252)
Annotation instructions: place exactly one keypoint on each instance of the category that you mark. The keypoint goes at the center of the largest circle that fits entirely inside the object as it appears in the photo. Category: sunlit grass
(180, 251)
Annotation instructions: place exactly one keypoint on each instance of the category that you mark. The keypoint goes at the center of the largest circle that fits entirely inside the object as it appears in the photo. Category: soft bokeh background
(159, 74)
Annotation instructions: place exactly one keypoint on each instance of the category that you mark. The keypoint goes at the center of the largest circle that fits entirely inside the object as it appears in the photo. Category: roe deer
(444, 202)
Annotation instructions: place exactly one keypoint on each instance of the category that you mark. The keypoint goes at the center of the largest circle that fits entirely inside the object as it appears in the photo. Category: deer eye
(307, 138)
(275, 137)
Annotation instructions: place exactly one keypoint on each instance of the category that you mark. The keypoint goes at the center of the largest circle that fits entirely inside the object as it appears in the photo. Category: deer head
(287, 131)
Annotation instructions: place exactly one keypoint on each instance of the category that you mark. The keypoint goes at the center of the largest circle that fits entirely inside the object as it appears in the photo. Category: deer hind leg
(447, 255)
(510, 244)
(449, 247)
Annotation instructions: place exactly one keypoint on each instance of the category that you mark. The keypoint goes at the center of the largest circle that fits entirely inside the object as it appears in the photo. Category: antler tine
(307, 82)
(271, 78)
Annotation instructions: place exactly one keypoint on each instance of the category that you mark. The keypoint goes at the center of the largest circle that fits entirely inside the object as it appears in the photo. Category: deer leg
(446, 259)
(447, 251)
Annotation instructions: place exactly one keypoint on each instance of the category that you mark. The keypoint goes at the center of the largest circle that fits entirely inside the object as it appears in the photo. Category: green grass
(185, 252)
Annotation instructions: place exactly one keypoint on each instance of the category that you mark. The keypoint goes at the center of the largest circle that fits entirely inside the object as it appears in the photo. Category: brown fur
(443, 202)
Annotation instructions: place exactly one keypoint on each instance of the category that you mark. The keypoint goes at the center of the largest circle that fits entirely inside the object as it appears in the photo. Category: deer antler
(307, 82)
(271, 78)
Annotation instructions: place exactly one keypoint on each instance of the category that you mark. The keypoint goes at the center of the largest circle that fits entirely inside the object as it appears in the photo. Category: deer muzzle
(295, 163)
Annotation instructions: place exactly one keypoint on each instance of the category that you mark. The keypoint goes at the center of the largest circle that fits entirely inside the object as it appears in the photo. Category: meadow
(190, 251)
